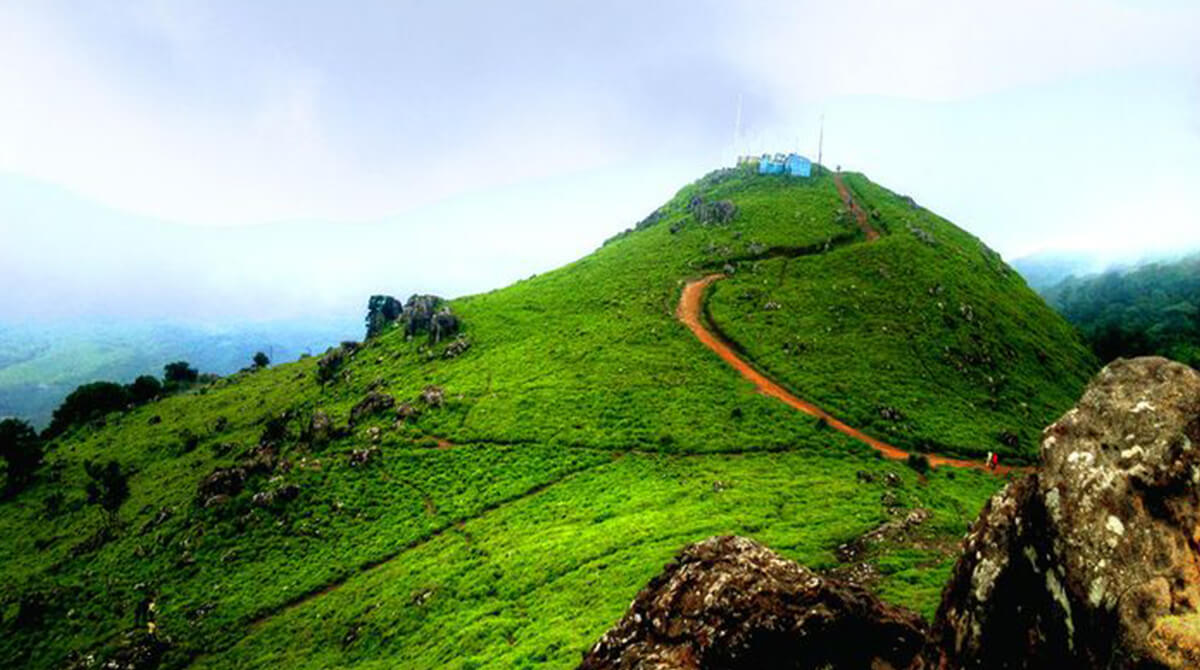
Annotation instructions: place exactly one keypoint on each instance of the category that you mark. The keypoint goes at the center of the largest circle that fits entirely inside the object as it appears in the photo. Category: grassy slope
(590, 429)
(940, 330)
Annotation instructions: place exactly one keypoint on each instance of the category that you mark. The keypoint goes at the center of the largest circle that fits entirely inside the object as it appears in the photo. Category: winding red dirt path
(859, 214)
(690, 312)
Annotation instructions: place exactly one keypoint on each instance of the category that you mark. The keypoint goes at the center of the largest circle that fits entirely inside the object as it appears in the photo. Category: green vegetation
(1149, 310)
(507, 508)
(923, 338)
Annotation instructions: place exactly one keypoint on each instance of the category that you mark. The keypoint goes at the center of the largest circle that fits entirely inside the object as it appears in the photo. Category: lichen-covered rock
(433, 396)
(1091, 561)
(373, 403)
(729, 602)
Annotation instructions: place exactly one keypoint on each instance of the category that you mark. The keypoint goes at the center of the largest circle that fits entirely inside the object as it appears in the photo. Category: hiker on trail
(988, 462)
(995, 461)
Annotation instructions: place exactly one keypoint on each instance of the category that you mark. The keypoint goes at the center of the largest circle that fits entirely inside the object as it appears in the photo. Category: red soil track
(859, 214)
(691, 309)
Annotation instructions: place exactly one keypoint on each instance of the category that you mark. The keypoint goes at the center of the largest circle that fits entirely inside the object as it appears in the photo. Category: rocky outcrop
(1092, 562)
(729, 602)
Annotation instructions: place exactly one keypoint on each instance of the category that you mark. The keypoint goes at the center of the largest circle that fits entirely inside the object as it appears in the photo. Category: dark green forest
(1153, 309)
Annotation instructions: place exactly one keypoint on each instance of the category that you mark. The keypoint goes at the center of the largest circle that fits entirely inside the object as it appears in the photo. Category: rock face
(729, 602)
(1092, 562)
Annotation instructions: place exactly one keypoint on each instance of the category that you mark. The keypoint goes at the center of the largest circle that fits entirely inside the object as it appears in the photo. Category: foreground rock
(729, 602)
(1092, 562)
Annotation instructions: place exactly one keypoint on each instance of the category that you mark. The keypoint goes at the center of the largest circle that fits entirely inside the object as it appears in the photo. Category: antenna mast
(821, 143)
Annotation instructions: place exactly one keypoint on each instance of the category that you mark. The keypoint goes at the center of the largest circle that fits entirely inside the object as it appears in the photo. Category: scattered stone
(320, 428)
(329, 364)
(864, 477)
(892, 479)
(433, 396)
(222, 481)
(729, 602)
(374, 403)
(359, 457)
(772, 306)
(891, 414)
(374, 434)
(457, 347)
(406, 412)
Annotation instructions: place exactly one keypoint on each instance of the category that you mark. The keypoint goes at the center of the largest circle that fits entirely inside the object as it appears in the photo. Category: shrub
(261, 360)
(144, 389)
(21, 450)
(180, 372)
(88, 402)
(918, 462)
(108, 488)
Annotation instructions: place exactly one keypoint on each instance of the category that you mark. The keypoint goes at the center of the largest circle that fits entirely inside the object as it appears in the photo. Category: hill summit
(495, 498)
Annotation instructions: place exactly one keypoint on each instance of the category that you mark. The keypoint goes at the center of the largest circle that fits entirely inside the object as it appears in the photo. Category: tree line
(22, 448)
(1153, 309)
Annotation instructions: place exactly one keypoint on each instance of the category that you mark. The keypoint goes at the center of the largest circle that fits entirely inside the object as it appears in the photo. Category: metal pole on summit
(821, 144)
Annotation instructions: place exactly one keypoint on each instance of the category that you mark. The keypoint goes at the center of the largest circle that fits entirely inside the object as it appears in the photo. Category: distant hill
(1046, 269)
(40, 365)
(497, 500)
(1150, 309)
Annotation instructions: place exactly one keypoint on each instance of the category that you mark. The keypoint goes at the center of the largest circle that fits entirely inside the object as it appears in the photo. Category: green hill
(584, 437)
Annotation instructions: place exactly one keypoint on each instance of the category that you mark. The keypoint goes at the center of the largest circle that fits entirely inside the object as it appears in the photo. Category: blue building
(769, 164)
(794, 165)
(798, 166)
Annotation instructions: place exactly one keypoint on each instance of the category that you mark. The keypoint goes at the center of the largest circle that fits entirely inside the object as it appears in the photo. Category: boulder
(374, 403)
(433, 396)
(729, 602)
(320, 428)
(1093, 561)
(222, 481)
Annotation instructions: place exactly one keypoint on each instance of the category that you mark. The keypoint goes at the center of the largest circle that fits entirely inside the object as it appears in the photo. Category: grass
(589, 427)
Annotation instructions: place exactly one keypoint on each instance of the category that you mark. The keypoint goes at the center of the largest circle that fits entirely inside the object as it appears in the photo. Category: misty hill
(1150, 309)
(40, 365)
(497, 498)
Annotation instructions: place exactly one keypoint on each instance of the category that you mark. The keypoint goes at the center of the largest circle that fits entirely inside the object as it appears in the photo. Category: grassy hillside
(923, 338)
(585, 437)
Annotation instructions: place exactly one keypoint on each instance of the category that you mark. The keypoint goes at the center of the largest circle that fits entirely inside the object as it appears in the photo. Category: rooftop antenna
(821, 143)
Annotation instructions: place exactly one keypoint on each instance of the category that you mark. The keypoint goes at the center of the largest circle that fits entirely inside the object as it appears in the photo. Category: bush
(108, 488)
(21, 450)
(918, 462)
(144, 389)
(261, 360)
(180, 372)
(88, 402)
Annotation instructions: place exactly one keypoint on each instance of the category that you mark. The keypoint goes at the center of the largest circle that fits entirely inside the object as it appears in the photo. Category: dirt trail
(859, 214)
(691, 309)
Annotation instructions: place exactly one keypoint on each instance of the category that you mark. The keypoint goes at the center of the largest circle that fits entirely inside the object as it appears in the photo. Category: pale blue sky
(148, 148)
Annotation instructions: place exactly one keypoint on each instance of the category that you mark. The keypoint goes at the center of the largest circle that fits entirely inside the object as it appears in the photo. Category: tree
(88, 402)
(180, 372)
(21, 450)
(261, 360)
(144, 389)
(108, 488)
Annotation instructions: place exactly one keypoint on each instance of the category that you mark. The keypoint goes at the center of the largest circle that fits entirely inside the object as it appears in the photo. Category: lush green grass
(589, 428)
(936, 328)
(537, 581)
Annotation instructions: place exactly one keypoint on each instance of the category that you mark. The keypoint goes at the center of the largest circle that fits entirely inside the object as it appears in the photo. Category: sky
(232, 160)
